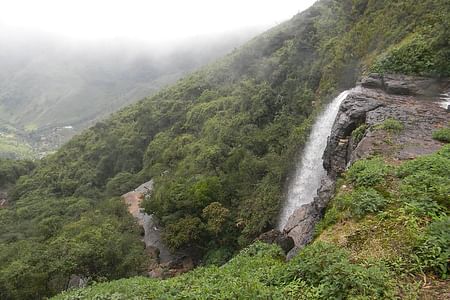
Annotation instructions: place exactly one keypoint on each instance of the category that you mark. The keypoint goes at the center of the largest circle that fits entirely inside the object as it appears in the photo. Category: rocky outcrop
(412, 101)
(276, 237)
(416, 106)
(300, 226)
(402, 84)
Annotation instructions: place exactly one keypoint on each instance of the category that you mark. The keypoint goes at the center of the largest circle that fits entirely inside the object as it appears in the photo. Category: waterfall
(303, 187)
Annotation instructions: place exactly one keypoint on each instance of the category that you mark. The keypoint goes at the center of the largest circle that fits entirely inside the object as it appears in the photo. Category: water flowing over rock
(416, 102)
(307, 180)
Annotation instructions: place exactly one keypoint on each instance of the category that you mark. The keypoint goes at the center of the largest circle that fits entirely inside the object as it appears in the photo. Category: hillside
(372, 244)
(219, 145)
(385, 233)
(51, 89)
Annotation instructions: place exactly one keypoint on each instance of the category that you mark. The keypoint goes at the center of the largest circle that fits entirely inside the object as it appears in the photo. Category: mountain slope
(219, 145)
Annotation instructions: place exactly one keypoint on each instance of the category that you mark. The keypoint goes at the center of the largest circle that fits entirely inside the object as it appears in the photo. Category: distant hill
(50, 90)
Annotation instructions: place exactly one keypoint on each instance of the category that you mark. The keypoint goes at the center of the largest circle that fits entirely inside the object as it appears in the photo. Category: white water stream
(445, 100)
(309, 173)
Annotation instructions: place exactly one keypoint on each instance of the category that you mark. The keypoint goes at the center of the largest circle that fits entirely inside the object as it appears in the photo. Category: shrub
(300, 290)
(217, 257)
(120, 184)
(434, 251)
(442, 135)
(391, 125)
(181, 233)
(366, 201)
(368, 172)
(437, 164)
(414, 55)
(359, 133)
(444, 152)
(426, 187)
(328, 267)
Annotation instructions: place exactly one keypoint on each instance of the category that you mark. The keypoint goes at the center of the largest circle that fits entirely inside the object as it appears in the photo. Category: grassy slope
(226, 135)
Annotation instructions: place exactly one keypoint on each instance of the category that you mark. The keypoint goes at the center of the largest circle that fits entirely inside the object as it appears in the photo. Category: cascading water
(303, 188)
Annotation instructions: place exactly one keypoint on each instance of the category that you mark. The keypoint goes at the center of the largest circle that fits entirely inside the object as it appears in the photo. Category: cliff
(412, 109)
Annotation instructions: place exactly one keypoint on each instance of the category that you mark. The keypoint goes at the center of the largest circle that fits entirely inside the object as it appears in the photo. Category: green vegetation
(11, 170)
(259, 272)
(368, 172)
(442, 135)
(11, 147)
(391, 125)
(371, 244)
(411, 210)
(359, 133)
(219, 145)
(416, 54)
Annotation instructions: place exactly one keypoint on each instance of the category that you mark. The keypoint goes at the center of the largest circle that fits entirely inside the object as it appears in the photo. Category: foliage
(434, 250)
(365, 201)
(359, 133)
(414, 55)
(409, 231)
(259, 273)
(442, 135)
(11, 170)
(120, 184)
(216, 216)
(368, 172)
(320, 262)
(391, 125)
(434, 164)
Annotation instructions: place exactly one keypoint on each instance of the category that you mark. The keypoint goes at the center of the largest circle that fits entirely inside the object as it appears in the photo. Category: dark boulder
(276, 237)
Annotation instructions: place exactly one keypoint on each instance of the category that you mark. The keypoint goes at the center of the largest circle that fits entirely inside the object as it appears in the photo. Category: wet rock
(300, 226)
(276, 237)
(352, 114)
(152, 252)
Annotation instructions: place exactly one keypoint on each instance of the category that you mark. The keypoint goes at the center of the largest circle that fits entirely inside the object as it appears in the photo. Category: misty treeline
(219, 145)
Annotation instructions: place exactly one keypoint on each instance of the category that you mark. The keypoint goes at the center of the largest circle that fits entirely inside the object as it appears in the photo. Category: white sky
(152, 21)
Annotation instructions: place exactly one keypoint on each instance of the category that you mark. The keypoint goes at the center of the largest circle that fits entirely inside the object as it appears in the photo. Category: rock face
(300, 226)
(276, 237)
(412, 101)
(419, 112)
(402, 84)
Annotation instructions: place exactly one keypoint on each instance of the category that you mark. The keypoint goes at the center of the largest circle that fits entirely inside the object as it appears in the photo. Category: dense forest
(219, 145)
(397, 237)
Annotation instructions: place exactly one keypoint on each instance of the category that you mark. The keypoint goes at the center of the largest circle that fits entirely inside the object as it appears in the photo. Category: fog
(71, 63)
(144, 20)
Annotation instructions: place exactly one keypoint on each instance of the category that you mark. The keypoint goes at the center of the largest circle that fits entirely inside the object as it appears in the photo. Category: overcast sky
(144, 20)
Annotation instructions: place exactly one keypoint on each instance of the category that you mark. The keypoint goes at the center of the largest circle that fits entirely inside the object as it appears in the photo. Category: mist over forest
(51, 88)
